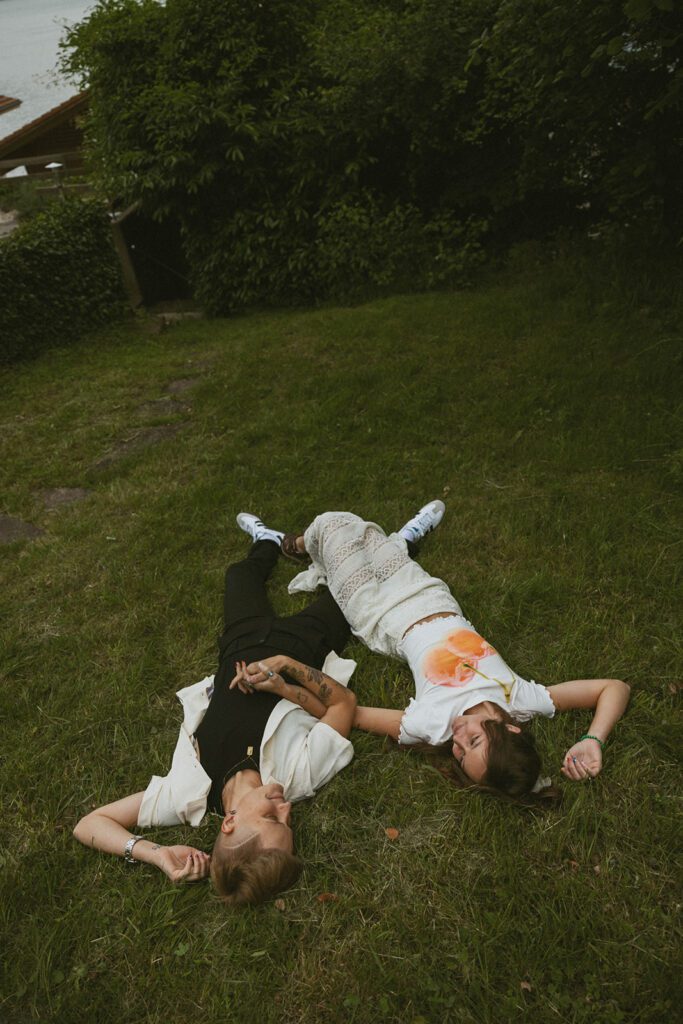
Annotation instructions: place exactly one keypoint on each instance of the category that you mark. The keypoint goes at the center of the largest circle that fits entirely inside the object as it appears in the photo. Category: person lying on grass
(467, 698)
(246, 757)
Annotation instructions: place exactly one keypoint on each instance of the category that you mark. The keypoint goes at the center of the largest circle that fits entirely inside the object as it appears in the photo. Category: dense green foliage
(59, 276)
(321, 148)
(542, 408)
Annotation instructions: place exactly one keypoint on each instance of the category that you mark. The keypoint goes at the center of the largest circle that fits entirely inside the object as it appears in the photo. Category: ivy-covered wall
(59, 276)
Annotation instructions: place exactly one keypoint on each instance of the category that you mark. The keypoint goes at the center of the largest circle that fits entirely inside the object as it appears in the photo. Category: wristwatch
(128, 852)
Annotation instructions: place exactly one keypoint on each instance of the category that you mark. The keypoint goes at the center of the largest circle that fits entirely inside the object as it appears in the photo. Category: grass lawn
(545, 418)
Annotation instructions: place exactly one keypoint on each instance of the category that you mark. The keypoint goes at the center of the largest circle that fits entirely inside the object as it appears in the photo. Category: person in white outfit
(466, 696)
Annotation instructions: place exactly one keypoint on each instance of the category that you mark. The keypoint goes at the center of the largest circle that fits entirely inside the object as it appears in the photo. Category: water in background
(30, 31)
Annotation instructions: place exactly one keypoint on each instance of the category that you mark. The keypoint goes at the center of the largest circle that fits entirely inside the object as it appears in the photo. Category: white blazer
(298, 751)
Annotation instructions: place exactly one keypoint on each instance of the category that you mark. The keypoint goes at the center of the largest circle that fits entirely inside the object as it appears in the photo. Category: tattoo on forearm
(157, 847)
(313, 677)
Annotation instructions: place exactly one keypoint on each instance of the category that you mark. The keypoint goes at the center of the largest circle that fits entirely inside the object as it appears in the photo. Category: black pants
(231, 732)
(252, 630)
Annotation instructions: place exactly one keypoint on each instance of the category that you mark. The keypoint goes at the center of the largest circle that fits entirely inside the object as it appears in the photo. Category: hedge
(59, 276)
(317, 150)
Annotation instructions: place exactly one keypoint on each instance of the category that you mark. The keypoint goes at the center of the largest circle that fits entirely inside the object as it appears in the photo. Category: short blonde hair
(248, 873)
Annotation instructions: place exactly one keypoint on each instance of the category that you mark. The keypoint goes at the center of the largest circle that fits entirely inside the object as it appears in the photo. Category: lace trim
(332, 525)
(391, 565)
(353, 584)
(343, 553)
(381, 561)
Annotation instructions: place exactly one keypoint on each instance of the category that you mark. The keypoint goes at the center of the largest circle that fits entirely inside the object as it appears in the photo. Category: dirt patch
(166, 406)
(179, 387)
(12, 529)
(55, 497)
(137, 441)
(202, 363)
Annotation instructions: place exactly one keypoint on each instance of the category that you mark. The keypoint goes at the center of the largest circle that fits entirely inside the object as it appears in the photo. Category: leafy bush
(316, 149)
(22, 195)
(352, 250)
(59, 276)
(362, 249)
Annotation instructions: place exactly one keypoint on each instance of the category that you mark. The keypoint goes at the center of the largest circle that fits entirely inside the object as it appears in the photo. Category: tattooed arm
(277, 684)
(317, 692)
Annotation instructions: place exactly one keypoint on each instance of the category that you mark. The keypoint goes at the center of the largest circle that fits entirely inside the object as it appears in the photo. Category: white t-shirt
(455, 669)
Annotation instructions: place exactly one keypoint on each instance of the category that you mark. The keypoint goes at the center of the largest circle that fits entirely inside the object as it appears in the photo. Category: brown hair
(513, 765)
(249, 873)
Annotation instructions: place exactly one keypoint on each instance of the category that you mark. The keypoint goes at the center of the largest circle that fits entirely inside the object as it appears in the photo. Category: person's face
(263, 811)
(471, 744)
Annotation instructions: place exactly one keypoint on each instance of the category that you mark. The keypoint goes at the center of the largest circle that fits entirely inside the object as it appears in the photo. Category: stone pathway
(52, 499)
(56, 497)
(182, 386)
(143, 438)
(12, 529)
(165, 406)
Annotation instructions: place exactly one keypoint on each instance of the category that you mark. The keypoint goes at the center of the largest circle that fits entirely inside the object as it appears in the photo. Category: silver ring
(270, 674)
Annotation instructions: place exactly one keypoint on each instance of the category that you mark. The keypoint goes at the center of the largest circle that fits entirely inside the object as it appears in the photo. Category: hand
(259, 676)
(183, 863)
(583, 760)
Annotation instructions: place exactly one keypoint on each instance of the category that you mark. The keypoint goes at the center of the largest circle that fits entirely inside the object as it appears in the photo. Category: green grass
(547, 421)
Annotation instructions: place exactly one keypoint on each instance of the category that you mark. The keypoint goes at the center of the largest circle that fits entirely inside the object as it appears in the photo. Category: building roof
(12, 144)
(8, 103)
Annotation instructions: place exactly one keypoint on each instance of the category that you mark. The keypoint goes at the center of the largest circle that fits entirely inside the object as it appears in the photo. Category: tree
(312, 147)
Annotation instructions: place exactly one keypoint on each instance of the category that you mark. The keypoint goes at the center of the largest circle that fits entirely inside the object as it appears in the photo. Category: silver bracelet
(128, 852)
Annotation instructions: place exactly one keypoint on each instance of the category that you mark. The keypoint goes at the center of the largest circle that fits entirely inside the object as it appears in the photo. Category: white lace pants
(378, 587)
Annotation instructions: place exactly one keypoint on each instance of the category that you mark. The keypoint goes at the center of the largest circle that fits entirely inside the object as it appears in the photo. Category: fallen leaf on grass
(573, 864)
(280, 904)
(327, 897)
(525, 986)
(391, 833)
(596, 869)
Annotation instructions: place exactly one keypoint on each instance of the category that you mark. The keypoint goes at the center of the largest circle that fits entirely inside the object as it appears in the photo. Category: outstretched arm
(609, 698)
(107, 829)
(382, 721)
(319, 694)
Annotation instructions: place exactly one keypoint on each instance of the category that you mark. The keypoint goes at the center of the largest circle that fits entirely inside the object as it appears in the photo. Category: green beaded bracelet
(587, 736)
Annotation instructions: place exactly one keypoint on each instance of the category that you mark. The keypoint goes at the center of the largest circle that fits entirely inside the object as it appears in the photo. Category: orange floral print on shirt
(454, 663)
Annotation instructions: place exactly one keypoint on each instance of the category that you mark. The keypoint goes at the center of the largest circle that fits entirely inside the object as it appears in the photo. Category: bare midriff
(429, 618)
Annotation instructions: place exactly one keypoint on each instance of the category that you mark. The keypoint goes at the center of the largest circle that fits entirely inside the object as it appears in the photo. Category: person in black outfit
(272, 714)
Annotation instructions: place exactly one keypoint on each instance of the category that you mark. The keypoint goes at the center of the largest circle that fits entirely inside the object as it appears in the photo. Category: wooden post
(130, 280)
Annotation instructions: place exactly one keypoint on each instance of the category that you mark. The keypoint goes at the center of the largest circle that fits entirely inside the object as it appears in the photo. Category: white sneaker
(424, 522)
(257, 530)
